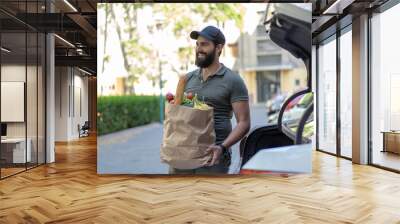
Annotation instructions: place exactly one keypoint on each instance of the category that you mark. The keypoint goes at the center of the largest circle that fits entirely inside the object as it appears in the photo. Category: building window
(327, 96)
(22, 77)
(269, 60)
(346, 94)
(385, 89)
(268, 83)
(267, 46)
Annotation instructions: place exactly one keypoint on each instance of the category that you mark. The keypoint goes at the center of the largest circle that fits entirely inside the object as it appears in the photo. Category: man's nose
(198, 48)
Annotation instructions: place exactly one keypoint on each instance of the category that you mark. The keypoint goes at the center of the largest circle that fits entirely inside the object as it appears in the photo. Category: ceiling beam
(84, 24)
(337, 7)
(81, 61)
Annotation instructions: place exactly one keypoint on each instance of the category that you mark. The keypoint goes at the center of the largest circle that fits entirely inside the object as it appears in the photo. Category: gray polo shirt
(218, 91)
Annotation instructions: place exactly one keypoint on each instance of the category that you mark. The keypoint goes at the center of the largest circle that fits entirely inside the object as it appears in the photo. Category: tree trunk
(105, 37)
(121, 44)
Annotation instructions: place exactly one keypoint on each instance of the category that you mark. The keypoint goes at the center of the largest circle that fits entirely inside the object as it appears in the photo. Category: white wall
(62, 81)
(81, 89)
(71, 87)
(12, 73)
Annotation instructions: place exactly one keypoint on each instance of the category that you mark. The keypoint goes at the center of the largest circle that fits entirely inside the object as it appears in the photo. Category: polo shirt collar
(221, 71)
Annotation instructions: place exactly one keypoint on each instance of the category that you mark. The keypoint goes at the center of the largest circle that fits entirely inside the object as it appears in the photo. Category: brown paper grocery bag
(188, 132)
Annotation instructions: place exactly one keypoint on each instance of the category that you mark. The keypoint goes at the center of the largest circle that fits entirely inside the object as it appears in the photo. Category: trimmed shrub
(116, 113)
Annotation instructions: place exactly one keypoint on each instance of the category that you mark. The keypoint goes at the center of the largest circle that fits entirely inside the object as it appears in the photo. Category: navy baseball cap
(211, 33)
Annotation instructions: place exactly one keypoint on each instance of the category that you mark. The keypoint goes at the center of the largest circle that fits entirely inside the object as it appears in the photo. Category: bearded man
(222, 89)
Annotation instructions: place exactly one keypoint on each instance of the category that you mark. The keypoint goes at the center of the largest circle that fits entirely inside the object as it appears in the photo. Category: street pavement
(137, 150)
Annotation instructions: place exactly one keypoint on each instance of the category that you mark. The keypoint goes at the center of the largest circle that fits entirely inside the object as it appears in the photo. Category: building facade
(267, 69)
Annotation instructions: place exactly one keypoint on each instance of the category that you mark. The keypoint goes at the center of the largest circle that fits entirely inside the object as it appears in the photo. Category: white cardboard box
(288, 159)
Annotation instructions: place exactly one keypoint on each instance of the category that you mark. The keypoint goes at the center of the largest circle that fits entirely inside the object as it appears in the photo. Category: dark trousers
(221, 168)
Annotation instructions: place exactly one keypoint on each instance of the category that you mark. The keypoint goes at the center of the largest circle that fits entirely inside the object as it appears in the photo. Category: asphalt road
(137, 150)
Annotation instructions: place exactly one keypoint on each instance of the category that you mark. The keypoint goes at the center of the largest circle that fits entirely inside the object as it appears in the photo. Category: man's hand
(216, 154)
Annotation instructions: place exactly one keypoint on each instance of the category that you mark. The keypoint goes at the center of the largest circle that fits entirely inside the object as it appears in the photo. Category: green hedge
(121, 112)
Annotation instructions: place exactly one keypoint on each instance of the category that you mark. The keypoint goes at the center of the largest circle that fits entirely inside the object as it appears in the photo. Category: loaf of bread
(180, 90)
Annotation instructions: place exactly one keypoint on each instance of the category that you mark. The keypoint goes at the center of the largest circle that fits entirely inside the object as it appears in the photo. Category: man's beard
(206, 61)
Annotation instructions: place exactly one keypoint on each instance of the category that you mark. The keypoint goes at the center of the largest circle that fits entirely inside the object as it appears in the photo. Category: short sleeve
(238, 90)
(189, 76)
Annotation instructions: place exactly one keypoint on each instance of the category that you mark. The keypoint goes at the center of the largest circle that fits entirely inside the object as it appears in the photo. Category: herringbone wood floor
(70, 191)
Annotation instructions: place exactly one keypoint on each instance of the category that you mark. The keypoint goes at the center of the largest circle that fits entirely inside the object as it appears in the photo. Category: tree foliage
(143, 60)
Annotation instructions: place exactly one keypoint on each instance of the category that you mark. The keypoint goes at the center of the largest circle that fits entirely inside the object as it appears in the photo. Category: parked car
(274, 104)
(293, 111)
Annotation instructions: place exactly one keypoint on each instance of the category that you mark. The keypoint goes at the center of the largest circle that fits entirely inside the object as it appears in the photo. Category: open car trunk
(294, 35)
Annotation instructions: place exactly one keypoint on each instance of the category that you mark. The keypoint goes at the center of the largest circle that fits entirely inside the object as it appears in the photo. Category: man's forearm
(237, 133)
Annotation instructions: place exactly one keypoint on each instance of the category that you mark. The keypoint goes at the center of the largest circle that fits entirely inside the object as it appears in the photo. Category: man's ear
(220, 46)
